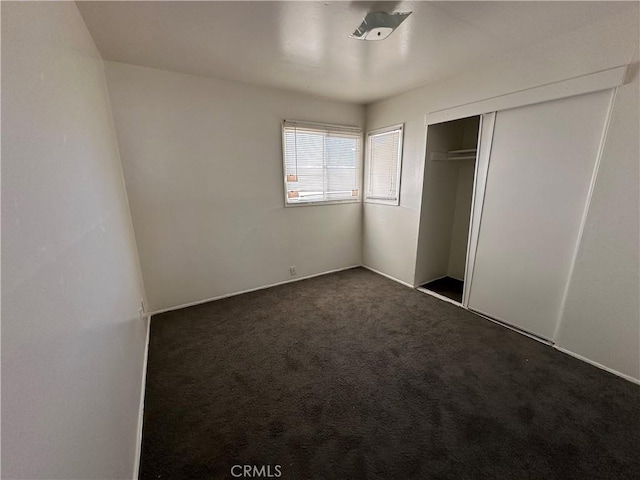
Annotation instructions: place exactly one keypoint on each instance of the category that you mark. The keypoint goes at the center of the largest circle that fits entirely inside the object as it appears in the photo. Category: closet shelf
(466, 154)
(468, 150)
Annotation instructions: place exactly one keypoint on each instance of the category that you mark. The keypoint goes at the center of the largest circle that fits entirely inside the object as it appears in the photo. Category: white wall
(602, 312)
(72, 343)
(203, 167)
(390, 233)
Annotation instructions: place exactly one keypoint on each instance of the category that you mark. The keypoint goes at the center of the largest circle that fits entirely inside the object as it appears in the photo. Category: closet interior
(450, 165)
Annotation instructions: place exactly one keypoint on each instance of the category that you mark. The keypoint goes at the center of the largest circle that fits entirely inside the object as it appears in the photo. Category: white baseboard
(519, 330)
(227, 295)
(559, 348)
(388, 276)
(439, 297)
(136, 466)
(599, 365)
(433, 280)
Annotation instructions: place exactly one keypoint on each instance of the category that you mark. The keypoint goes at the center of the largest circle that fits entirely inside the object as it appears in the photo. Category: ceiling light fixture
(379, 25)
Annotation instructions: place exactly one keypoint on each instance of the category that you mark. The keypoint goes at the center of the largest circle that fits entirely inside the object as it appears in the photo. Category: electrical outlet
(292, 270)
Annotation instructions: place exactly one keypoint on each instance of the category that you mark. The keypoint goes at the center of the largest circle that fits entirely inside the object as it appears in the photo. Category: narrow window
(384, 162)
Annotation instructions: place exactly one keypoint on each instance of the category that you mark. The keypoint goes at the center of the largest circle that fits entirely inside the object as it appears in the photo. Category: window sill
(380, 201)
(322, 202)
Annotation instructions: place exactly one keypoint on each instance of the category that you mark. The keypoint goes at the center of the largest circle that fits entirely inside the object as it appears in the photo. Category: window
(384, 162)
(321, 163)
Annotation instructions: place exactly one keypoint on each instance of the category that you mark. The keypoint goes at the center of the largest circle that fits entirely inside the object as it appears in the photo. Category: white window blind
(383, 165)
(321, 163)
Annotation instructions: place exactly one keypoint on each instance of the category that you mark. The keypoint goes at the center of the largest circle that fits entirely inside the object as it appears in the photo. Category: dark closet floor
(447, 286)
(353, 376)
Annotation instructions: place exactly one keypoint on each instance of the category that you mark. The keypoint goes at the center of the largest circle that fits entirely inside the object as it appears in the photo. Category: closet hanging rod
(469, 154)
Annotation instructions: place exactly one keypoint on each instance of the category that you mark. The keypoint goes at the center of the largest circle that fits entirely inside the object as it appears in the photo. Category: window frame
(367, 170)
(327, 128)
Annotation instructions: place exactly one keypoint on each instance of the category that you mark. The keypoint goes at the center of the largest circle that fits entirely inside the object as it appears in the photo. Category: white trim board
(388, 276)
(233, 294)
(440, 297)
(514, 328)
(486, 317)
(433, 280)
(136, 465)
(592, 82)
(596, 364)
(557, 347)
(480, 175)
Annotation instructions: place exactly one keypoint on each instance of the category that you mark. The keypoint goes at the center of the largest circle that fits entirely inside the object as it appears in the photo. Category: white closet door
(540, 168)
(485, 137)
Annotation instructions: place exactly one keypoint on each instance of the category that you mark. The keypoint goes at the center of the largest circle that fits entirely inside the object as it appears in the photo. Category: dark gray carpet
(353, 376)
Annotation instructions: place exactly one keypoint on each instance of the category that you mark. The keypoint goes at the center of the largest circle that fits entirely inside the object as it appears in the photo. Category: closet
(446, 206)
(504, 197)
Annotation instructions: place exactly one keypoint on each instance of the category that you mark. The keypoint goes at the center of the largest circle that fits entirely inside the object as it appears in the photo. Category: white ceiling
(305, 46)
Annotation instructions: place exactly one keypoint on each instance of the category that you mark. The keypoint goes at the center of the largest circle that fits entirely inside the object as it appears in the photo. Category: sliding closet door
(540, 168)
